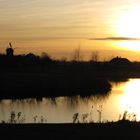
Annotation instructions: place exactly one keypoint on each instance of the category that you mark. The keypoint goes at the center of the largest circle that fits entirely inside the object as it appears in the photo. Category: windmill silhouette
(10, 50)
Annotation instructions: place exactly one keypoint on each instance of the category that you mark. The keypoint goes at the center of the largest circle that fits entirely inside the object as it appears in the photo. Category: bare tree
(77, 55)
(94, 56)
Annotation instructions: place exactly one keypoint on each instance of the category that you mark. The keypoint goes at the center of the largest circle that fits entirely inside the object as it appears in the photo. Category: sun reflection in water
(130, 100)
(125, 96)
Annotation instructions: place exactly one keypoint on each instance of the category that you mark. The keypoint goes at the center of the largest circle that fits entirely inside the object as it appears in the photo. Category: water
(124, 96)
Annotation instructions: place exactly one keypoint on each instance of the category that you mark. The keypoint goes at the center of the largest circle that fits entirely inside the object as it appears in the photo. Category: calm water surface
(124, 96)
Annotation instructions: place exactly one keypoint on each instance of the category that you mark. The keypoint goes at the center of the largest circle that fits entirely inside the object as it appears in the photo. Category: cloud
(116, 38)
(41, 38)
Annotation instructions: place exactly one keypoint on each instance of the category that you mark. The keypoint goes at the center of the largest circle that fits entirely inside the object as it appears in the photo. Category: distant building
(120, 61)
(10, 50)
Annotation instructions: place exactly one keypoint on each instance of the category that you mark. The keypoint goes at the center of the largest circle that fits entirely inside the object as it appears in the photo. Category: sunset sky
(58, 27)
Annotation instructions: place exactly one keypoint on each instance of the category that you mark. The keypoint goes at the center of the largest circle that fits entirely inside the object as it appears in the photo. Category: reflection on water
(131, 99)
(124, 96)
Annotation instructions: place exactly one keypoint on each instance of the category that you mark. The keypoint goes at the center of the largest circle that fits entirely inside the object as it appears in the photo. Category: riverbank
(116, 131)
(63, 79)
(38, 85)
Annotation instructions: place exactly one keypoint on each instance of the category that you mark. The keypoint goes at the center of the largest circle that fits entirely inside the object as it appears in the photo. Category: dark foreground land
(38, 85)
(30, 76)
(109, 131)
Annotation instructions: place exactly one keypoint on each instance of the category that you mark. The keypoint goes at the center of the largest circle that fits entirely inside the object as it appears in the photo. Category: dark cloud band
(116, 38)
